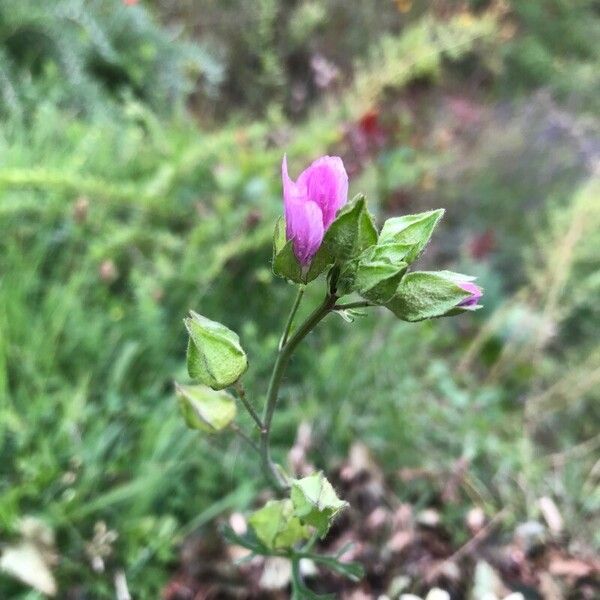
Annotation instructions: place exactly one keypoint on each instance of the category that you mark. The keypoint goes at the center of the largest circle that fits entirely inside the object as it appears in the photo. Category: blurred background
(140, 148)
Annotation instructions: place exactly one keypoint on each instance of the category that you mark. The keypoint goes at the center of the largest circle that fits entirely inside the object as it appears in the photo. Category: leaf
(352, 570)
(411, 230)
(204, 408)
(214, 355)
(248, 540)
(427, 295)
(316, 502)
(276, 525)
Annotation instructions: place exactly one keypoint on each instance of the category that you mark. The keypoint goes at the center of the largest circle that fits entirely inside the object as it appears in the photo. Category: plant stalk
(241, 392)
(283, 357)
(290, 321)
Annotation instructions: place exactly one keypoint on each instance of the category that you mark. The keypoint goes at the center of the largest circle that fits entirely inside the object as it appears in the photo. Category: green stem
(241, 391)
(290, 321)
(275, 477)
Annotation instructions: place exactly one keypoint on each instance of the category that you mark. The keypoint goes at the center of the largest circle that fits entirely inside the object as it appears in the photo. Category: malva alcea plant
(321, 233)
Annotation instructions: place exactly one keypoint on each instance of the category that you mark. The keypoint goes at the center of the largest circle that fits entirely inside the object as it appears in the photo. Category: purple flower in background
(312, 202)
(475, 291)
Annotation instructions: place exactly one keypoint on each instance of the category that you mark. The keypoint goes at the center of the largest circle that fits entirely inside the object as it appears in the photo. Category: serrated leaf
(214, 355)
(411, 230)
(316, 502)
(204, 408)
(427, 295)
(276, 525)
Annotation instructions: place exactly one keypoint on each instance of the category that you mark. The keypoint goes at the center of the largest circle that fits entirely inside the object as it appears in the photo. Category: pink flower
(475, 291)
(312, 202)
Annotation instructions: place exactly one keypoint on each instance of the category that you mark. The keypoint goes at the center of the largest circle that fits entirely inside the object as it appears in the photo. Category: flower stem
(290, 321)
(241, 392)
(274, 476)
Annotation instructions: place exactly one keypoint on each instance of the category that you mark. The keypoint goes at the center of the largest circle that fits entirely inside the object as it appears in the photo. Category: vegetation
(139, 178)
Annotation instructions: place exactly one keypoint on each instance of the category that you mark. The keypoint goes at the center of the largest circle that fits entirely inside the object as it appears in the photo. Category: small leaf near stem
(241, 392)
(290, 321)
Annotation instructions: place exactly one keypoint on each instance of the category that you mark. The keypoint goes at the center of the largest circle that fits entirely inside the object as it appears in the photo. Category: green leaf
(426, 295)
(411, 230)
(214, 355)
(352, 570)
(276, 525)
(285, 263)
(248, 540)
(316, 502)
(204, 408)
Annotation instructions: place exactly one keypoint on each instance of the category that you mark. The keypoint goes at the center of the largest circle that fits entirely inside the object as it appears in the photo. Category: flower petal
(325, 182)
(304, 225)
(475, 291)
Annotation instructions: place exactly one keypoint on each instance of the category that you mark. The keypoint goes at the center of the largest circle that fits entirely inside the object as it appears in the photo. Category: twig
(241, 391)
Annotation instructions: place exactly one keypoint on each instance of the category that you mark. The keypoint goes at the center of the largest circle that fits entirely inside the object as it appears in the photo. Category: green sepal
(285, 263)
(315, 502)
(378, 281)
(276, 525)
(214, 354)
(204, 408)
(411, 230)
(352, 232)
(376, 273)
(427, 295)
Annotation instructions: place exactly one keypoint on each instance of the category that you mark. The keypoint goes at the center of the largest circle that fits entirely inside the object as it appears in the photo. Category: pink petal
(475, 291)
(304, 225)
(325, 182)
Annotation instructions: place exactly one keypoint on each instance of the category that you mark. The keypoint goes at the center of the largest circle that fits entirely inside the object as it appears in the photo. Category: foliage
(87, 55)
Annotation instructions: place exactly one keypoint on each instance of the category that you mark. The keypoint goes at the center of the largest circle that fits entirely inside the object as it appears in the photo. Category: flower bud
(215, 356)
(312, 202)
